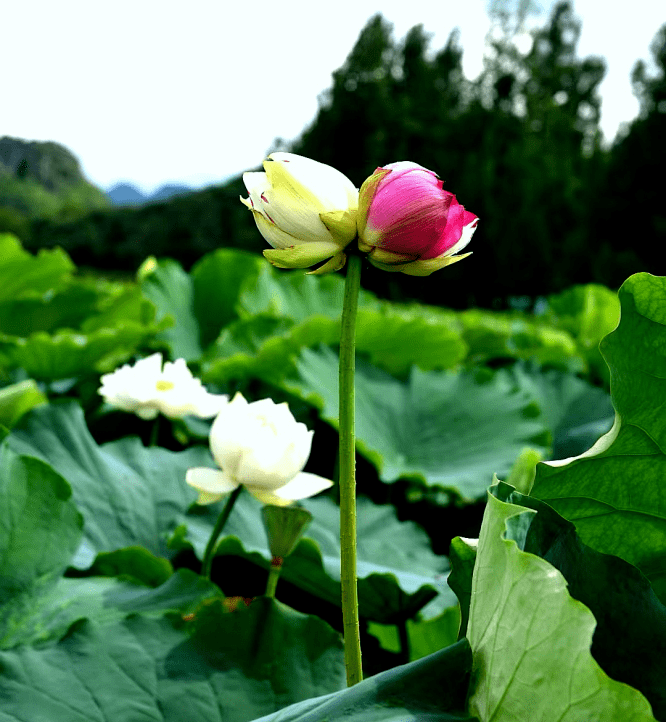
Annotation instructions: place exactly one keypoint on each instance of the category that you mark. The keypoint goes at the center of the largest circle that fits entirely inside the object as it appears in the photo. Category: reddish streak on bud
(263, 198)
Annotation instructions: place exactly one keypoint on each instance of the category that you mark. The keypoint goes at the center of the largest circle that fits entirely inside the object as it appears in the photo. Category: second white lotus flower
(261, 446)
(148, 388)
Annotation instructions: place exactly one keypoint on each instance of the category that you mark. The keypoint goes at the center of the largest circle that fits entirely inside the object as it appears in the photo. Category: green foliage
(128, 495)
(164, 670)
(542, 638)
(18, 398)
(433, 688)
(613, 492)
(56, 325)
(103, 611)
(398, 573)
(446, 429)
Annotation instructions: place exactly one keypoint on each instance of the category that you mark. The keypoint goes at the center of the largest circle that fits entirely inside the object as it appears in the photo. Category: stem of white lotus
(155, 432)
(273, 576)
(207, 563)
(350, 621)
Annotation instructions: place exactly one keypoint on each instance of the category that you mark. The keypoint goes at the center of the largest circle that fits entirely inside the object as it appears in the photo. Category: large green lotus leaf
(218, 280)
(430, 690)
(495, 335)
(531, 641)
(398, 571)
(220, 667)
(66, 308)
(23, 275)
(17, 399)
(129, 495)
(628, 645)
(166, 284)
(445, 429)
(120, 304)
(396, 337)
(40, 529)
(47, 615)
(296, 295)
(67, 353)
(614, 492)
(393, 337)
(588, 313)
(576, 412)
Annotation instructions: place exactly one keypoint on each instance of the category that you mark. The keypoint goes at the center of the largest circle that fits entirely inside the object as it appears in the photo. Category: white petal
(302, 486)
(212, 481)
(465, 238)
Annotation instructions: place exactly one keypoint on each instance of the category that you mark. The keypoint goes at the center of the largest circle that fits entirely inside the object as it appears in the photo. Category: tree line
(520, 146)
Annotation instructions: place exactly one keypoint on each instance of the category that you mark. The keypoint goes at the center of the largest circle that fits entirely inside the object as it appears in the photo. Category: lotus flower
(306, 210)
(407, 222)
(261, 446)
(147, 389)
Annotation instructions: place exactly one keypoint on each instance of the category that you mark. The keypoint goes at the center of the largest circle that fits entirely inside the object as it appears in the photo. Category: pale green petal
(335, 264)
(341, 224)
(428, 266)
(206, 497)
(302, 256)
(365, 196)
(381, 255)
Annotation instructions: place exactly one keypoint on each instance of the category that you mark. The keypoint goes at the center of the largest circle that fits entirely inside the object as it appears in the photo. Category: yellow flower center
(162, 385)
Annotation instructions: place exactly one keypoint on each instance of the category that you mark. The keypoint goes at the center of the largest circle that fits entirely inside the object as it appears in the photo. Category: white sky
(158, 91)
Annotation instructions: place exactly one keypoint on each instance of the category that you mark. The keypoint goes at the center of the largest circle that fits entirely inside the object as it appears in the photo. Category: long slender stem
(155, 432)
(273, 576)
(219, 526)
(352, 641)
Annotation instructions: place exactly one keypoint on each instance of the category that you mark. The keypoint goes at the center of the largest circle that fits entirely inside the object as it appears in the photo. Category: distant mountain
(125, 194)
(44, 179)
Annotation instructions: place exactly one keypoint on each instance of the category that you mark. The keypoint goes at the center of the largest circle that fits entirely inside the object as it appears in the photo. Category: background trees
(520, 146)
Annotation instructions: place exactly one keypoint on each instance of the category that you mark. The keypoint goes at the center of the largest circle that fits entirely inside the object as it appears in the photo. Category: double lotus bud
(402, 217)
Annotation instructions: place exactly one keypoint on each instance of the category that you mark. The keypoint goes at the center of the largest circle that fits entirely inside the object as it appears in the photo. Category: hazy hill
(44, 180)
(126, 194)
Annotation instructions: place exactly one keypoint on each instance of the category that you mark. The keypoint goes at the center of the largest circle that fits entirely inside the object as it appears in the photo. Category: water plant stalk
(207, 563)
(350, 621)
(273, 576)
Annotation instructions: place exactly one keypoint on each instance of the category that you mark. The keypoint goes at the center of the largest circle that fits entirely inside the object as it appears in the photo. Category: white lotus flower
(305, 209)
(148, 389)
(261, 446)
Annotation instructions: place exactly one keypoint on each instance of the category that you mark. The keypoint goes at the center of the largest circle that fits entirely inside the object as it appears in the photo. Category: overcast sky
(158, 91)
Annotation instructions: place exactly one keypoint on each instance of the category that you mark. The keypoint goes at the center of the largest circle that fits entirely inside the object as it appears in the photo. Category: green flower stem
(352, 641)
(219, 526)
(155, 432)
(273, 576)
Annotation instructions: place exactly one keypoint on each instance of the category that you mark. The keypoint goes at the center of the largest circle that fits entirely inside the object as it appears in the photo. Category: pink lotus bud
(407, 222)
